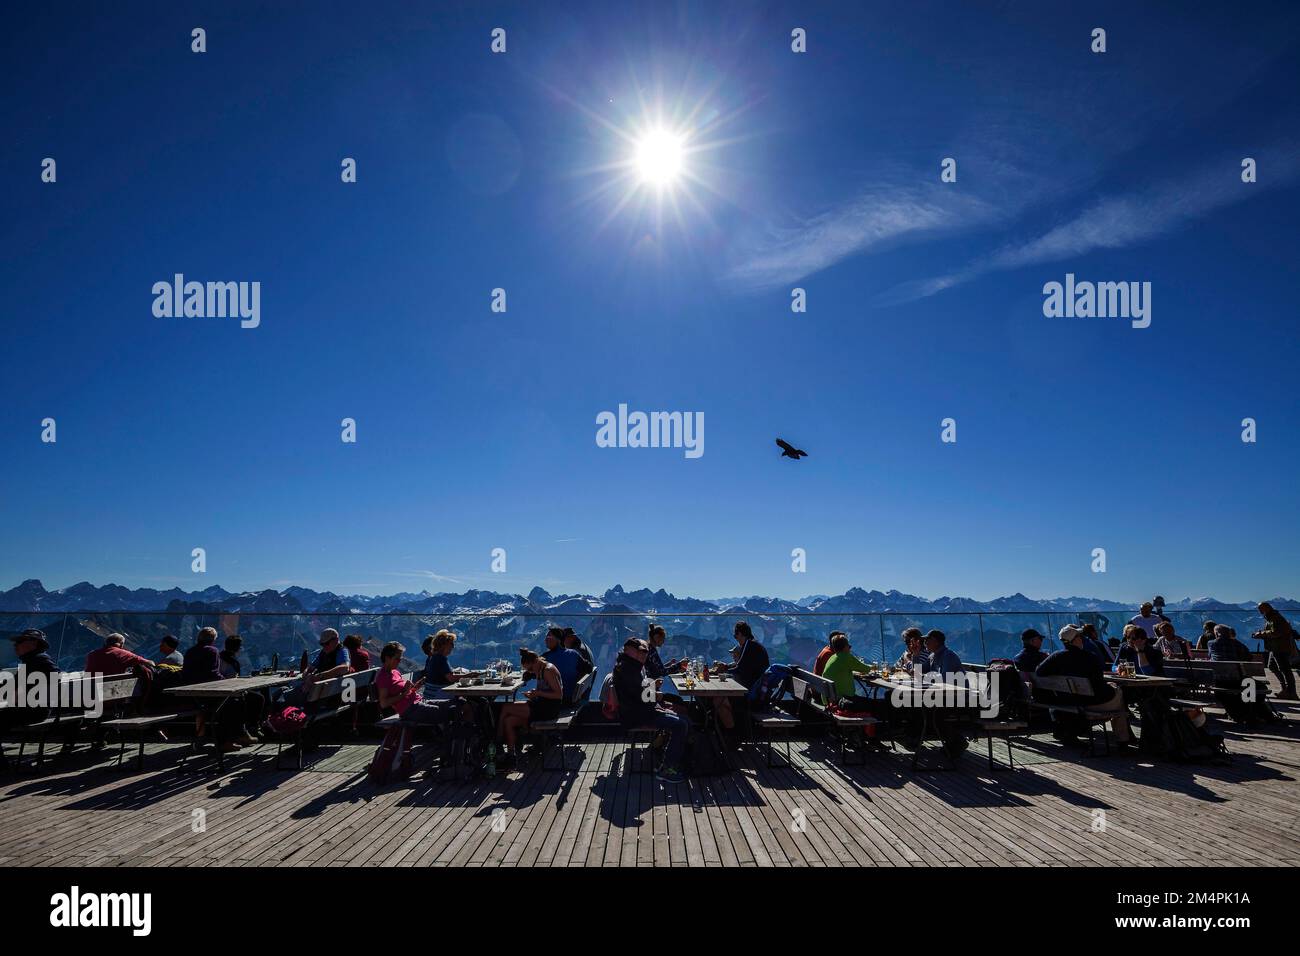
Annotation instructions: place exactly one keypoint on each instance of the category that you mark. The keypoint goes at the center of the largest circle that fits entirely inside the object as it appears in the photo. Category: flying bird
(789, 451)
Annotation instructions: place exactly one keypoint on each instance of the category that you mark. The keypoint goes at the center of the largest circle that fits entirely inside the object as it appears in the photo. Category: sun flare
(658, 157)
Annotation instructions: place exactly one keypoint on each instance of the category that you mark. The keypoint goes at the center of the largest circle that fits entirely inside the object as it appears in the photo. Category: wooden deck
(812, 814)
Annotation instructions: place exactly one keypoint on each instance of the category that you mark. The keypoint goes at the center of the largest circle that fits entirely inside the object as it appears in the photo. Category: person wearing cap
(1158, 605)
(113, 658)
(1146, 619)
(31, 647)
(639, 706)
(1027, 660)
(168, 651)
(332, 660)
(1074, 661)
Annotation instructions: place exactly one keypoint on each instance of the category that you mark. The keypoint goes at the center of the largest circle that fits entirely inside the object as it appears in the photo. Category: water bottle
(275, 663)
(491, 768)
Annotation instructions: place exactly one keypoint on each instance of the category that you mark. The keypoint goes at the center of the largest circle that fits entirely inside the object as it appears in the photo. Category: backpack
(288, 720)
(1169, 733)
(770, 686)
(1008, 688)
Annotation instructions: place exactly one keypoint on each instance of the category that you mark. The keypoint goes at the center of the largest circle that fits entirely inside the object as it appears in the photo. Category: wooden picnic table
(225, 690)
(724, 686)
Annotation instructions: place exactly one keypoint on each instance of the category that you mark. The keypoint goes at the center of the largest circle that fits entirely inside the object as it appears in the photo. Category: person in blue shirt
(942, 660)
(1139, 651)
(437, 669)
(330, 661)
(1095, 646)
(1028, 659)
(565, 660)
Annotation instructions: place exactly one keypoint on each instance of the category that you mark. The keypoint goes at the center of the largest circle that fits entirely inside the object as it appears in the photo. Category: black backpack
(1013, 700)
(1169, 734)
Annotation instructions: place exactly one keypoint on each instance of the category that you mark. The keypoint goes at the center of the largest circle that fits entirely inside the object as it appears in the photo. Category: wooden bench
(327, 700)
(1076, 687)
(551, 730)
(112, 692)
(819, 694)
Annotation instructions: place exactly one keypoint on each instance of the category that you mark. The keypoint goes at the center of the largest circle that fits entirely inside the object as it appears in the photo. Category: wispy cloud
(1119, 221)
(875, 219)
(427, 575)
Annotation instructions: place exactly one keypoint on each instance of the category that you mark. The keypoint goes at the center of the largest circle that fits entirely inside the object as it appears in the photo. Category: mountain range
(32, 595)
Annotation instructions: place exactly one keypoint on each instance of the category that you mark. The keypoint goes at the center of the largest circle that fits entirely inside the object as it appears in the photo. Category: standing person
(639, 707)
(168, 651)
(1073, 661)
(1158, 605)
(1279, 639)
(358, 656)
(1146, 619)
(544, 703)
(113, 658)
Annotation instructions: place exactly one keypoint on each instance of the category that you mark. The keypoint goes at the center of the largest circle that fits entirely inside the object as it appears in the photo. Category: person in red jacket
(113, 658)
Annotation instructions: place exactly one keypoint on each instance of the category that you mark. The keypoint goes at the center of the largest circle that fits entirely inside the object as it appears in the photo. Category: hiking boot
(670, 775)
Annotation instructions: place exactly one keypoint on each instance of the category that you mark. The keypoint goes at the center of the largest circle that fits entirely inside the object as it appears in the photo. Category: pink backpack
(288, 720)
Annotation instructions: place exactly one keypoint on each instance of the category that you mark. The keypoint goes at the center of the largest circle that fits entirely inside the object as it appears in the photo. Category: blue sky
(476, 430)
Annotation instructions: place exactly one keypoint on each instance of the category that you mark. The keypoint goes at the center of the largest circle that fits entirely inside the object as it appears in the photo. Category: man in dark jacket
(1073, 661)
(1279, 639)
(31, 648)
(638, 707)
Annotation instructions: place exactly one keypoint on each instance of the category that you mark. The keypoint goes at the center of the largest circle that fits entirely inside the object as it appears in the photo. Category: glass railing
(483, 637)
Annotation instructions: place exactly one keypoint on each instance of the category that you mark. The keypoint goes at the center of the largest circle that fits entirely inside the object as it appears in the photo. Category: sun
(658, 156)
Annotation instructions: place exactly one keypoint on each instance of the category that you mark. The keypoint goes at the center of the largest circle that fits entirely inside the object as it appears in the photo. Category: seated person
(826, 653)
(1230, 691)
(332, 660)
(1226, 647)
(1095, 646)
(402, 696)
(839, 671)
(30, 647)
(750, 664)
(168, 652)
(1140, 652)
(655, 668)
(358, 656)
(230, 665)
(942, 659)
(1207, 635)
(1170, 644)
(573, 642)
(437, 670)
(202, 662)
(1027, 660)
(638, 706)
(113, 658)
(915, 654)
(544, 703)
(563, 658)
(1074, 661)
